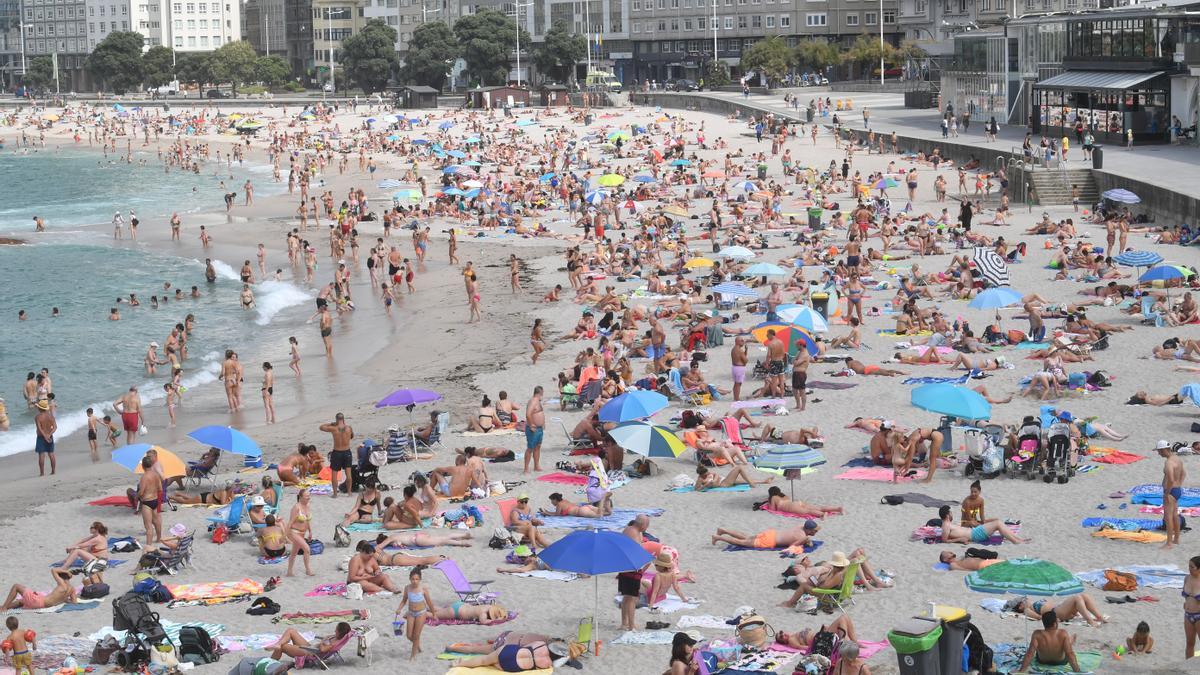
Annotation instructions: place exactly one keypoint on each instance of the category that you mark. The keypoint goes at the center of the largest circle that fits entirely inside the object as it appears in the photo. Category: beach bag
(354, 591)
(824, 643)
(263, 606)
(753, 631)
(197, 646)
(501, 538)
(220, 534)
(979, 655)
(893, 500)
(315, 547)
(104, 649)
(378, 457)
(645, 467)
(341, 537)
(1119, 581)
(93, 591)
(152, 590)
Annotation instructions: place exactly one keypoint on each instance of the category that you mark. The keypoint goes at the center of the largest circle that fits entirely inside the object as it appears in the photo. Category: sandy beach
(427, 343)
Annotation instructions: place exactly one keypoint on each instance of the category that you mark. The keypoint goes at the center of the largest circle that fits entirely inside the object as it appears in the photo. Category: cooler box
(254, 462)
(954, 622)
(916, 645)
(820, 304)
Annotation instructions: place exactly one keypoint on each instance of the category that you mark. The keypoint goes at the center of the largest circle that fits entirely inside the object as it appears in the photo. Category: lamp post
(23, 53)
(713, 67)
(881, 43)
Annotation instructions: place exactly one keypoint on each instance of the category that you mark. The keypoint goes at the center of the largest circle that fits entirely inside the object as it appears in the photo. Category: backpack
(979, 655)
(316, 547)
(92, 591)
(341, 537)
(501, 538)
(152, 590)
(262, 606)
(982, 553)
(824, 643)
(197, 646)
(1119, 581)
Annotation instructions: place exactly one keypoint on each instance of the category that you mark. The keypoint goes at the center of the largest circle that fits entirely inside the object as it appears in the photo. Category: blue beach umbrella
(1138, 259)
(393, 137)
(526, 123)
(227, 439)
(994, 298)
(471, 163)
(546, 177)
(420, 141)
(764, 270)
(746, 185)
(680, 162)
(595, 197)
(803, 316)
(1191, 391)
(632, 405)
(952, 400)
(457, 154)
(472, 140)
(645, 179)
(130, 457)
(648, 440)
(1161, 273)
(1120, 196)
(446, 125)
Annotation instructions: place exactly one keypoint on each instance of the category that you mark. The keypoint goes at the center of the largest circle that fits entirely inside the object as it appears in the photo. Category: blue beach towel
(1151, 493)
(617, 520)
(936, 380)
(1128, 524)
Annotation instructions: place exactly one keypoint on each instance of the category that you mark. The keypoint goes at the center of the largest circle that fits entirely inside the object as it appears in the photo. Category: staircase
(1053, 186)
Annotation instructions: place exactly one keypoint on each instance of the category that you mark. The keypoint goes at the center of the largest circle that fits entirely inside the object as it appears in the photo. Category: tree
(559, 53)
(431, 52)
(158, 63)
(234, 63)
(867, 51)
(40, 73)
(771, 57)
(817, 55)
(717, 74)
(369, 58)
(195, 67)
(487, 38)
(117, 61)
(272, 71)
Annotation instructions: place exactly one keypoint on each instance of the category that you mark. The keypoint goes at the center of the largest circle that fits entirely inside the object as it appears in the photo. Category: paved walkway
(1174, 167)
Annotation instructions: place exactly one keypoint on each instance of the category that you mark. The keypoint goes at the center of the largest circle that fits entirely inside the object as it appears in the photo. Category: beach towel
(834, 386)
(768, 661)
(808, 548)
(1148, 576)
(645, 637)
(758, 403)
(1114, 456)
(549, 575)
(786, 514)
(617, 520)
(1128, 524)
(936, 380)
(366, 527)
(1032, 345)
(255, 642)
(1007, 658)
(488, 670)
(216, 590)
(112, 562)
(332, 616)
(880, 474)
(1188, 512)
(704, 621)
(431, 621)
(740, 487)
(925, 500)
(1151, 493)
(941, 567)
(115, 500)
(1141, 537)
(561, 478)
(893, 334)
(327, 589)
(263, 560)
(864, 462)
(52, 650)
(866, 648)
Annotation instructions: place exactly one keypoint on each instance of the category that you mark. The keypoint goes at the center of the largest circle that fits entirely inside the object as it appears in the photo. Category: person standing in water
(268, 391)
(46, 426)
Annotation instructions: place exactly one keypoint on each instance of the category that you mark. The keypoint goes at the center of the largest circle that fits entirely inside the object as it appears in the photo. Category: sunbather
(512, 658)
(858, 367)
(825, 576)
(967, 363)
(214, 498)
(664, 578)
(523, 522)
(200, 469)
(737, 475)
(294, 645)
(424, 538)
(565, 507)
(1051, 645)
(526, 561)
(778, 502)
(24, 597)
(980, 534)
(364, 570)
(91, 547)
(1144, 398)
(842, 626)
(1065, 608)
(463, 611)
(368, 506)
(404, 514)
(767, 539)
(801, 436)
(701, 440)
(967, 563)
(505, 638)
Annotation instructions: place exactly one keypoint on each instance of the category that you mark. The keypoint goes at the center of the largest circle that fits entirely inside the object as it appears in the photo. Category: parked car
(217, 93)
(683, 84)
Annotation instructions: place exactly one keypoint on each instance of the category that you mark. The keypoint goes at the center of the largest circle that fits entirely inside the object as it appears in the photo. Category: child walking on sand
(21, 644)
(420, 607)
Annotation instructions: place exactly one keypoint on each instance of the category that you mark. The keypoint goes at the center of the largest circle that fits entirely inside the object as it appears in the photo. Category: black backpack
(197, 646)
(824, 643)
(979, 655)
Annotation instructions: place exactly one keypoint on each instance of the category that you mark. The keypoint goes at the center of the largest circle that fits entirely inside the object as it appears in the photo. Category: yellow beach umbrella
(698, 262)
(50, 117)
(610, 180)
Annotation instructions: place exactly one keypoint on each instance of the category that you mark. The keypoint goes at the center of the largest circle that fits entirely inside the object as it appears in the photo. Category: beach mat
(833, 386)
(78, 564)
(881, 474)
(1151, 493)
(740, 487)
(1148, 576)
(1129, 524)
(332, 616)
(561, 478)
(808, 548)
(936, 380)
(326, 589)
(216, 590)
(1113, 456)
(617, 520)
(431, 621)
(925, 500)
(1140, 537)
(1008, 657)
(548, 575)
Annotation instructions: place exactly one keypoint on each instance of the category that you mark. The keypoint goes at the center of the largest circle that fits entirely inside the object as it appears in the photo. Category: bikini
(1190, 617)
(507, 658)
(414, 598)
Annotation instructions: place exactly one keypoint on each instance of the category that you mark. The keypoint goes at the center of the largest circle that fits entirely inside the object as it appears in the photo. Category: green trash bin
(814, 217)
(916, 645)
(762, 171)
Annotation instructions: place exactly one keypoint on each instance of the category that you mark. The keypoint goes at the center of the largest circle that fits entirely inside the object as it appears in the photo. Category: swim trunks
(326, 332)
(799, 379)
(43, 445)
(739, 374)
(979, 535)
(776, 367)
(629, 584)
(870, 370)
(340, 460)
(321, 303)
(32, 600)
(765, 539)
(533, 436)
(1176, 493)
(129, 420)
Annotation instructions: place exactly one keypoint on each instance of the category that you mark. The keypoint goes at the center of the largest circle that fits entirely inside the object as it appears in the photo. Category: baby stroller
(144, 632)
(984, 456)
(1058, 452)
(1024, 459)
(370, 458)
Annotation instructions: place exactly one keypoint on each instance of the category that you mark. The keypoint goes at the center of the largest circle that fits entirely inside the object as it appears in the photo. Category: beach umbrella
(645, 179)
(740, 252)
(472, 140)
(790, 459)
(698, 262)
(991, 266)
(130, 457)
(994, 298)
(471, 163)
(676, 211)
(747, 185)
(1191, 391)
(952, 400)
(457, 154)
(409, 195)
(1121, 196)
(610, 180)
(647, 440)
(1185, 271)
(804, 316)
(473, 183)
(409, 398)
(453, 192)
(614, 135)
(595, 197)
(713, 173)
(457, 169)
(393, 137)
(1162, 273)
(388, 184)
(51, 117)
(1024, 576)
(120, 108)
(595, 552)
(1138, 259)
(526, 123)
(763, 269)
(884, 184)
(227, 439)
(735, 289)
(420, 141)
(633, 405)
(546, 177)
(794, 337)
(680, 162)
(446, 125)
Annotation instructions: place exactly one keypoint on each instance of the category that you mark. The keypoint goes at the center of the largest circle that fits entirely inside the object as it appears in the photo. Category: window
(204, 23)
(637, 4)
(191, 24)
(889, 16)
(637, 27)
(204, 7)
(191, 6)
(756, 21)
(815, 19)
(741, 22)
(191, 41)
(662, 25)
(203, 40)
(177, 7)
(687, 24)
(729, 23)
(674, 25)
(178, 24)
(702, 23)
(785, 21)
(770, 21)
(852, 19)
(871, 19)
(178, 41)
(679, 46)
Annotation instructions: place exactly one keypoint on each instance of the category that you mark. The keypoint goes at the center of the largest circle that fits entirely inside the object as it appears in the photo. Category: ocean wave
(225, 271)
(272, 297)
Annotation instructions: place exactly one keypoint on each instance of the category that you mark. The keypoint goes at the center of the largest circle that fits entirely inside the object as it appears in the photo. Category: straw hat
(664, 561)
(839, 559)
(43, 404)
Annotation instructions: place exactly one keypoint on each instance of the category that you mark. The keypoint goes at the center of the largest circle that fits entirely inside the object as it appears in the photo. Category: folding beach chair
(474, 592)
(435, 436)
(844, 594)
(170, 560)
(573, 443)
(233, 515)
(321, 659)
(197, 474)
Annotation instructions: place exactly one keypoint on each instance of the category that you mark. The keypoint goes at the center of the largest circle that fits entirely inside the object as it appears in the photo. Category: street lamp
(881, 43)
(517, 7)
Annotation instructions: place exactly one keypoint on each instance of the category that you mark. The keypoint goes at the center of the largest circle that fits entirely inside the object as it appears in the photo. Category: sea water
(93, 360)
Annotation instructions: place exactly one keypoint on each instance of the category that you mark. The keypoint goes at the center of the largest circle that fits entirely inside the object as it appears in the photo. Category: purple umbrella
(408, 398)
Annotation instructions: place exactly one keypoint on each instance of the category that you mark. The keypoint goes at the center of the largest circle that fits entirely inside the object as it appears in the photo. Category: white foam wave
(272, 297)
(224, 270)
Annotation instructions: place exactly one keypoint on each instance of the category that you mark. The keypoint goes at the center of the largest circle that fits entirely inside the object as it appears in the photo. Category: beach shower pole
(54, 58)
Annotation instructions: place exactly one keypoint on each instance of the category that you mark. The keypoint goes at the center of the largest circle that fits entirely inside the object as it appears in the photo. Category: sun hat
(257, 500)
(664, 560)
(839, 559)
(43, 404)
(178, 530)
(523, 551)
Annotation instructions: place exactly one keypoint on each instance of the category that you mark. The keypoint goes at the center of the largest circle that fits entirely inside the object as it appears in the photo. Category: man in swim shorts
(1172, 488)
(340, 458)
(738, 358)
(535, 429)
(130, 408)
(46, 426)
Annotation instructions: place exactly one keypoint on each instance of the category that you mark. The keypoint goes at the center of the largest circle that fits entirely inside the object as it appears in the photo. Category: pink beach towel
(564, 478)
(115, 500)
(327, 589)
(881, 474)
(866, 648)
(431, 621)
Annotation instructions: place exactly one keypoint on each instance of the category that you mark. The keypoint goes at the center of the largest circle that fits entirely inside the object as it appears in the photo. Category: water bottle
(932, 609)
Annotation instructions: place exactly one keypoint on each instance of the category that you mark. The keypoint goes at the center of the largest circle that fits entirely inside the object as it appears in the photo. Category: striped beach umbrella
(389, 184)
(1138, 259)
(795, 337)
(1024, 576)
(595, 197)
(991, 266)
(786, 458)
(648, 440)
(734, 289)
(1121, 196)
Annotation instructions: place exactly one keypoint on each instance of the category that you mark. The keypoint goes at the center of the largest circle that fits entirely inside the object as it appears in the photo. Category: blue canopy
(595, 552)
(992, 298)
(952, 400)
(457, 154)
(1161, 273)
(632, 405)
(227, 439)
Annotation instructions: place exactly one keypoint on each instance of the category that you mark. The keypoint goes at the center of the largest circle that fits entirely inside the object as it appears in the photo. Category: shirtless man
(130, 408)
(965, 564)
(452, 481)
(738, 359)
(340, 458)
(776, 365)
(860, 368)
(767, 539)
(46, 426)
(800, 378)
(980, 534)
(326, 324)
(658, 343)
(885, 442)
(149, 495)
(1052, 646)
(1172, 489)
(535, 428)
(24, 597)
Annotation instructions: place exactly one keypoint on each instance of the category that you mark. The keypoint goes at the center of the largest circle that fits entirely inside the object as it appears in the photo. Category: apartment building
(405, 15)
(333, 21)
(282, 28)
(57, 27)
(10, 43)
(183, 26)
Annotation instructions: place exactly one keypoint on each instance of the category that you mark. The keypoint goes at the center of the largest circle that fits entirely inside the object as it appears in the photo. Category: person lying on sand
(425, 539)
(701, 440)
(768, 539)
(24, 597)
(776, 501)
(965, 564)
(737, 475)
(526, 561)
(842, 626)
(801, 436)
(1065, 608)
(565, 507)
(861, 369)
(513, 658)
(513, 638)
(1141, 397)
(215, 498)
(980, 534)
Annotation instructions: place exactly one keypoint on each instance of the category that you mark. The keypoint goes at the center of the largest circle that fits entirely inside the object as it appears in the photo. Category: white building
(185, 26)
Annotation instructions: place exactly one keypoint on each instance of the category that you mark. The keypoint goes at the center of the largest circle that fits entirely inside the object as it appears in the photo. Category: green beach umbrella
(611, 180)
(1024, 576)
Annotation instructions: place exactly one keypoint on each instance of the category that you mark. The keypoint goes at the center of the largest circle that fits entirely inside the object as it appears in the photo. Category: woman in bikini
(292, 469)
(268, 391)
(1067, 608)
(405, 514)
(842, 626)
(486, 419)
(367, 506)
(294, 364)
(417, 598)
(564, 507)
(776, 501)
(512, 658)
(536, 340)
(293, 644)
(299, 532)
(1191, 606)
(462, 611)
(272, 541)
(214, 498)
(91, 547)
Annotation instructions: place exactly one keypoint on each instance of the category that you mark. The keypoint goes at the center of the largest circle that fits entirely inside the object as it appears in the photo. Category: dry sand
(427, 344)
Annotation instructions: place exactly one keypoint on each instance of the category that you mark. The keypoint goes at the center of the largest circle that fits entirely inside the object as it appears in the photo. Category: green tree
(158, 63)
(716, 74)
(369, 57)
(817, 55)
(272, 71)
(867, 51)
(234, 62)
(431, 52)
(195, 68)
(117, 61)
(40, 73)
(487, 38)
(559, 52)
(771, 57)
